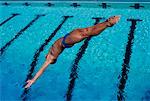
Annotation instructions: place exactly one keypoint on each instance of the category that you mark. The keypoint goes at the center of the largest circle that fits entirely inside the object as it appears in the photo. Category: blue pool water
(112, 66)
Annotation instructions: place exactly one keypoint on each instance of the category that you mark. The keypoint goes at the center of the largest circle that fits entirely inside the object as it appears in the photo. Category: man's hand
(29, 83)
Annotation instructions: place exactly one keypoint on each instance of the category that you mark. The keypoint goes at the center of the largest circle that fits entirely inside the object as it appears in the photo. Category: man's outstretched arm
(39, 73)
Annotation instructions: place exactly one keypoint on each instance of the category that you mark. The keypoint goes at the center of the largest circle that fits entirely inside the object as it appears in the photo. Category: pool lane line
(75, 4)
(104, 5)
(26, 4)
(5, 4)
(37, 54)
(125, 66)
(79, 55)
(146, 96)
(9, 18)
(3, 49)
(49, 4)
(137, 6)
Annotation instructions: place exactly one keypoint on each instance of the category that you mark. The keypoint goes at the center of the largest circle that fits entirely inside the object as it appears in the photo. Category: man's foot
(112, 20)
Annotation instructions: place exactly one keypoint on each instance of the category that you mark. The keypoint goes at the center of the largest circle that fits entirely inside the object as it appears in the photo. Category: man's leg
(98, 28)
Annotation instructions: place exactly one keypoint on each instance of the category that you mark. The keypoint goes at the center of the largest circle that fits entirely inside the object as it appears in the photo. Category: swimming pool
(112, 66)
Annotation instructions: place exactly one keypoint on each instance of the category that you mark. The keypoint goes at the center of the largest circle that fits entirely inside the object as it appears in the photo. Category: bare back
(74, 37)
